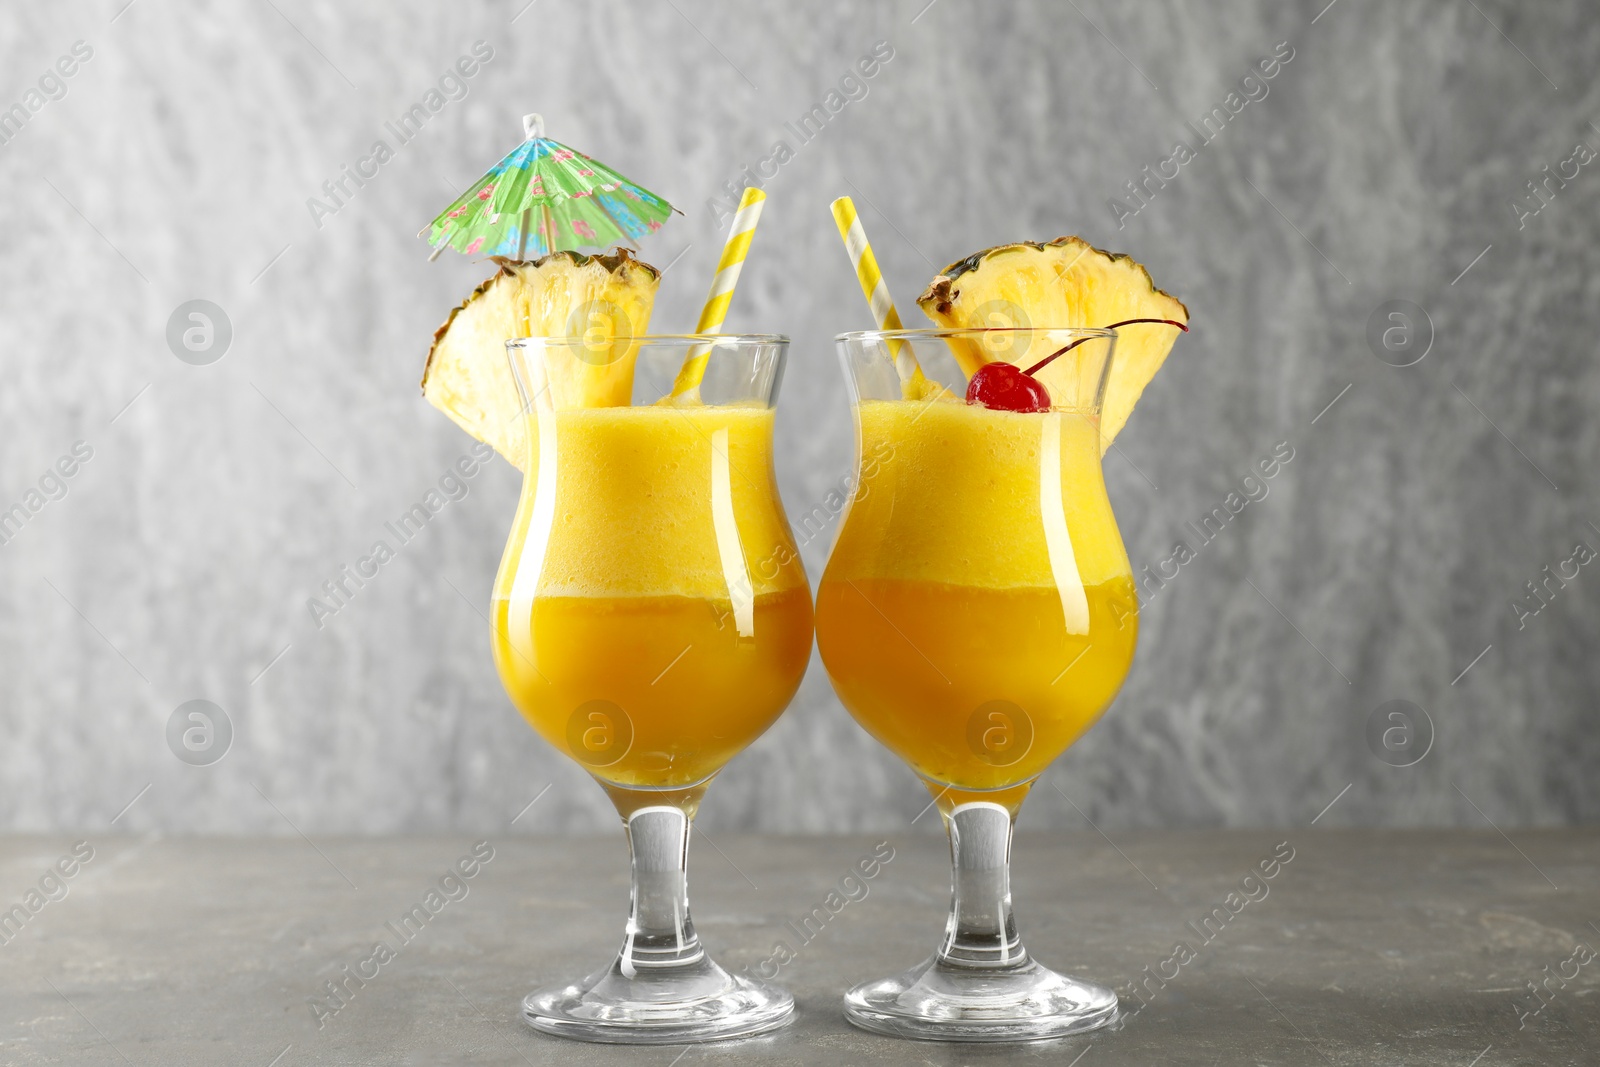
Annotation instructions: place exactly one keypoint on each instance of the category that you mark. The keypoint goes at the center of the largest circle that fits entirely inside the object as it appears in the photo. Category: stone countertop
(1411, 947)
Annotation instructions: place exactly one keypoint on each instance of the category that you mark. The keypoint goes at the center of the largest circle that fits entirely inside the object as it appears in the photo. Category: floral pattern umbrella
(545, 197)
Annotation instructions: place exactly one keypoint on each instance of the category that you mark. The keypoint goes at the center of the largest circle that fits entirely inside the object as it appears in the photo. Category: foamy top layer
(953, 493)
(652, 501)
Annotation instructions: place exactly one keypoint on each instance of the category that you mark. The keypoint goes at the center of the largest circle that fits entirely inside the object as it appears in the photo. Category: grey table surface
(1411, 947)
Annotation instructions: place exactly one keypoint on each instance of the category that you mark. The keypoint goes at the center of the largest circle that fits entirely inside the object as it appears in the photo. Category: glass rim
(683, 340)
(937, 333)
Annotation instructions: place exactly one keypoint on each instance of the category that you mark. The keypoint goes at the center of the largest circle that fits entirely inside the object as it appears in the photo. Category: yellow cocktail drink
(978, 612)
(651, 617)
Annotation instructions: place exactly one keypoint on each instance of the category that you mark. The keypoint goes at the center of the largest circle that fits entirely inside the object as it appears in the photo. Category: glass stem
(981, 933)
(660, 935)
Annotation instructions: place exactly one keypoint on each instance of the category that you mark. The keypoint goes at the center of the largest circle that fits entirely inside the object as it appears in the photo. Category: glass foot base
(938, 1002)
(702, 1002)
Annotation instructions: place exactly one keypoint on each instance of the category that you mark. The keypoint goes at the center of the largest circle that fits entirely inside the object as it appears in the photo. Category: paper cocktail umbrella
(544, 197)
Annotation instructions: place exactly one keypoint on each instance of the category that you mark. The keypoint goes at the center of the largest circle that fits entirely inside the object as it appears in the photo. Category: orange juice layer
(654, 692)
(974, 688)
(978, 612)
(651, 617)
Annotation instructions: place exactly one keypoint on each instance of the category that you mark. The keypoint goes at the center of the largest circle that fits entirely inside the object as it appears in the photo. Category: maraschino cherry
(1006, 387)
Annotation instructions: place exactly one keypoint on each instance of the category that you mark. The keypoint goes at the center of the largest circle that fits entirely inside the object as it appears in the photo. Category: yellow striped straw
(687, 384)
(883, 311)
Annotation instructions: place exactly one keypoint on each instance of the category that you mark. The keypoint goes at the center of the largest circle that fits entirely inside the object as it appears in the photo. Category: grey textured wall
(1382, 164)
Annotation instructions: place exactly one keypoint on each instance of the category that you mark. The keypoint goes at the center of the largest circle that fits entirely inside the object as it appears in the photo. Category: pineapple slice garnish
(1066, 283)
(606, 299)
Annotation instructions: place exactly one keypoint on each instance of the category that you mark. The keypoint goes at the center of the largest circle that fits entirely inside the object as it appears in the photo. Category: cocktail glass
(976, 616)
(651, 619)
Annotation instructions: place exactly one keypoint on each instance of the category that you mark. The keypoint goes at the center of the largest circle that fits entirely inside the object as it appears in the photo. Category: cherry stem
(1125, 322)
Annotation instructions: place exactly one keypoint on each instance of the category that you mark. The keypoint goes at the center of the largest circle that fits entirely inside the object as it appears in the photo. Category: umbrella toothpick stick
(743, 231)
(532, 128)
(884, 314)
